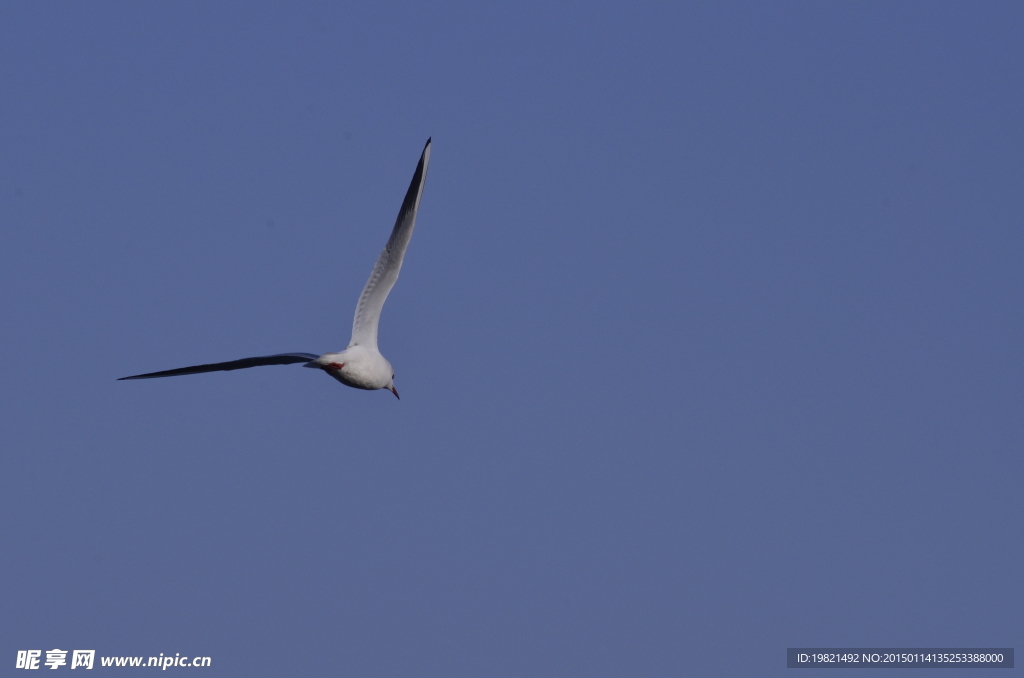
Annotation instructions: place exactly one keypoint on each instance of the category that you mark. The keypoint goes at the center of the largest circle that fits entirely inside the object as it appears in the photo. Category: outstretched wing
(385, 272)
(279, 359)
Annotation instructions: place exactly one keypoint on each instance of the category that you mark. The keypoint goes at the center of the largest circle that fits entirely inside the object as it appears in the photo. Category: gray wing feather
(389, 263)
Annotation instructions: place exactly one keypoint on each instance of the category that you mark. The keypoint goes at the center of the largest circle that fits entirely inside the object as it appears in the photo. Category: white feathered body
(357, 366)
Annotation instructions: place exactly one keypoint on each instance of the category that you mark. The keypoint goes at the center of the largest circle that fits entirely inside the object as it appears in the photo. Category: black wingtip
(259, 361)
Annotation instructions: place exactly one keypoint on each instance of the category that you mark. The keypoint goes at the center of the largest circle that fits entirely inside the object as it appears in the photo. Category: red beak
(395, 391)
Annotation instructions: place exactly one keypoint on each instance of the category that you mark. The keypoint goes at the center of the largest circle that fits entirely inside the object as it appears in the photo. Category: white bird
(360, 365)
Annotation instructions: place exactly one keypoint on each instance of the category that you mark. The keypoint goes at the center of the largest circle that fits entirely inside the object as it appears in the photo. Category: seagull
(360, 365)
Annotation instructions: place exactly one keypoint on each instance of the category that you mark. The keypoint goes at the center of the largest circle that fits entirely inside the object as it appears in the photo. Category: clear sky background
(708, 339)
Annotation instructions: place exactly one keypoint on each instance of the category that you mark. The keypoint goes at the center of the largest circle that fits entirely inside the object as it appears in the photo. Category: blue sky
(708, 338)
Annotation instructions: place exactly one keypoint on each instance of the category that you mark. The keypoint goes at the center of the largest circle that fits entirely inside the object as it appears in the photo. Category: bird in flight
(360, 365)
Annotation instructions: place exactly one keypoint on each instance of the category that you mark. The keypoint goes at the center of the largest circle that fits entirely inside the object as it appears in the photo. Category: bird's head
(391, 385)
